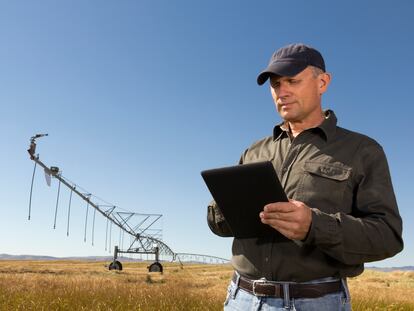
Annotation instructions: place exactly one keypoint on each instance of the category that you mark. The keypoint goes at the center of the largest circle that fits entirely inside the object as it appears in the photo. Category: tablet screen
(241, 192)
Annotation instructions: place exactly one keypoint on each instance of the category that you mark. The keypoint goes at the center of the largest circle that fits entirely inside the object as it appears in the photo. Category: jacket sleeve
(373, 231)
(216, 221)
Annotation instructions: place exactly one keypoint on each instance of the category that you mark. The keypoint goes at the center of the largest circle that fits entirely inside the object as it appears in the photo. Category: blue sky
(139, 96)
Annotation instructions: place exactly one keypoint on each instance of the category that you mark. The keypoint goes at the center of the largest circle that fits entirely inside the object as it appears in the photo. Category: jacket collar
(327, 127)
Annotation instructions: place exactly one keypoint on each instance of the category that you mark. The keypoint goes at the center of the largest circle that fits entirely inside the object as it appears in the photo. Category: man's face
(298, 98)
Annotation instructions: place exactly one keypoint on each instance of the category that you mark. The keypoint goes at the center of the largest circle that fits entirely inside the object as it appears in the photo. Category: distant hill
(44, 258)
(25, 257)
(388, 269)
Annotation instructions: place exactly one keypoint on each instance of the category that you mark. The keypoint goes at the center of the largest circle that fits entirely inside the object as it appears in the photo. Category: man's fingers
(278, 223)
(278, 216)
(292, 219)
(287, 228)
(281, 207)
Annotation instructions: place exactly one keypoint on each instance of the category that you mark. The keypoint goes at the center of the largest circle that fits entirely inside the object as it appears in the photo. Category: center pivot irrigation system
(140, 227)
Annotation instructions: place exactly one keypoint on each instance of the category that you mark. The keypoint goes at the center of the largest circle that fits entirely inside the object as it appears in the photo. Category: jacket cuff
(217, 222)
(324, 229)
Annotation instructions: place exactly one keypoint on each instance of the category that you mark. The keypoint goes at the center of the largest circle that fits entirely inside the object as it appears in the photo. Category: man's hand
(292, 219)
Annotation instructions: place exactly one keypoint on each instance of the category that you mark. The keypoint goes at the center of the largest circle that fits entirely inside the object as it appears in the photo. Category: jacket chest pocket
(323, 186)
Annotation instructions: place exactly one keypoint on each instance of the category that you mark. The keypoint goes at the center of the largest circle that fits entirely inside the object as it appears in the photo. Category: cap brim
(285, 69)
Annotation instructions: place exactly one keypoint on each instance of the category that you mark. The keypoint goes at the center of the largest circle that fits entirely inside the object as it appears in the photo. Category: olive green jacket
(344, 178)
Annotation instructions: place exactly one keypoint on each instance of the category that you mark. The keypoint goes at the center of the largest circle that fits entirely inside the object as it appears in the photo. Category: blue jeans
(241, 300)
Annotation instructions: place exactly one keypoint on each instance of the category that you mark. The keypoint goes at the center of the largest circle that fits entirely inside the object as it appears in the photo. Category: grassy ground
(375, 290)
(64, 285)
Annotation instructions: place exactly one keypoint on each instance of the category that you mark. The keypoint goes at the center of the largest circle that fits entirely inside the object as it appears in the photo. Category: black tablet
(241, 192)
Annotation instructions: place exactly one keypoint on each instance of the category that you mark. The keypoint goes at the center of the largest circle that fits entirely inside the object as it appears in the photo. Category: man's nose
(283, 90)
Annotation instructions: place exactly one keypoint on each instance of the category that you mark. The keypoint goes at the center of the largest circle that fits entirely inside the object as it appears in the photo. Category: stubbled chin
(287, 114)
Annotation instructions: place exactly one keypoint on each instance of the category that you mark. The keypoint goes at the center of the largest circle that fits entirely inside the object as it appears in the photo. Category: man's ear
(324, 80)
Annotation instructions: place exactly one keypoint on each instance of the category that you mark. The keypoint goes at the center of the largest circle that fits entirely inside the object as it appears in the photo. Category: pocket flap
(334, 171)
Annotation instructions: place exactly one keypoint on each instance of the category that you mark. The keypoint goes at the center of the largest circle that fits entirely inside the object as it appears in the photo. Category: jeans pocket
(231, 293)
(228, 296)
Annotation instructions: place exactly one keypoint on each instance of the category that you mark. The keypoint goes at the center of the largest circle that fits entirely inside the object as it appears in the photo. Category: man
(341, 212)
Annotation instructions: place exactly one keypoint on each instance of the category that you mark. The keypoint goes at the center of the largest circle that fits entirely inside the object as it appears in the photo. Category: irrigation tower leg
(155, 266)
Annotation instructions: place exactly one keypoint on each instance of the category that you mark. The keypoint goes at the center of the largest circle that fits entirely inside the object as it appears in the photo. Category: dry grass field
(64, 285)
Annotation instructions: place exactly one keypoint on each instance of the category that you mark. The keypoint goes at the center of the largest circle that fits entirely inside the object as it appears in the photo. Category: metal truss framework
(145, 239)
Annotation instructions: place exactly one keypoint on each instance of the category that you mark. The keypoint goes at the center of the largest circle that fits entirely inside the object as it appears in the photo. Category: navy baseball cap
(288, 61)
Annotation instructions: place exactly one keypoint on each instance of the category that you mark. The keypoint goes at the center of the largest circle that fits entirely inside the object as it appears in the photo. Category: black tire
(115, 265)
(155, 267)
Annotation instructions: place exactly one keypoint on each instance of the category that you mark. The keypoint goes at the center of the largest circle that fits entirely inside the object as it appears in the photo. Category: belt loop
(286, 296)
(237, 281)
(346, 289)
(236, 285)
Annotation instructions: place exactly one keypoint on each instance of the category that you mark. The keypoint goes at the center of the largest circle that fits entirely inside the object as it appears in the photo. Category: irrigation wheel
(115, 265)
(155, 267)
